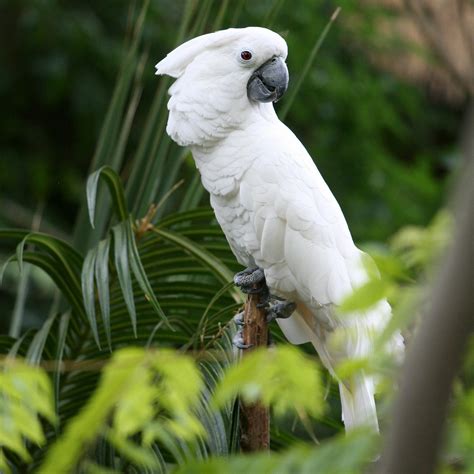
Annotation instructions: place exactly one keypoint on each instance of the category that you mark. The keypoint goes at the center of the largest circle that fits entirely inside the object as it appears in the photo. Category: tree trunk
(435, 353)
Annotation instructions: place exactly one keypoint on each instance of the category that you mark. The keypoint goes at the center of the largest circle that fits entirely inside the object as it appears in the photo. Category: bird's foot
(248, 279)
(239, 319)
(281, 310)
(238, 340)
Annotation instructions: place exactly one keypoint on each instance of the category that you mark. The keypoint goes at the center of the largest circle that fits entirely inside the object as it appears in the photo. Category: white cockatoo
(274, 207)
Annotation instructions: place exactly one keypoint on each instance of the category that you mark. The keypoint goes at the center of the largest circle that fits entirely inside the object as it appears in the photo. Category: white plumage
(271, 201)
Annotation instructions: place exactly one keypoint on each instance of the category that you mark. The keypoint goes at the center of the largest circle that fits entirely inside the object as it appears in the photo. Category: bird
(279, 216)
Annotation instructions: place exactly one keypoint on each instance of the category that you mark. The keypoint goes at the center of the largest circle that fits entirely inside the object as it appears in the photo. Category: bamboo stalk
(254, 418)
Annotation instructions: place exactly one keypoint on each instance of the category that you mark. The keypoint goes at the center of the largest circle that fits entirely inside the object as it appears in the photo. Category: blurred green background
(384, 146)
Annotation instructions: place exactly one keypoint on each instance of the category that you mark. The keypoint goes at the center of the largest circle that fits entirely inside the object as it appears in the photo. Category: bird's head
(221, 76)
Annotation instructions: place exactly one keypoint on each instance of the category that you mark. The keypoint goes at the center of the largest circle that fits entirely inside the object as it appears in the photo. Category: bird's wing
(300, 231)
(300, 237)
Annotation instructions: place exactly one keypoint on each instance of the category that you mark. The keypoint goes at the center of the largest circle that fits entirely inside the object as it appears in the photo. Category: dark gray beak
(269, 82)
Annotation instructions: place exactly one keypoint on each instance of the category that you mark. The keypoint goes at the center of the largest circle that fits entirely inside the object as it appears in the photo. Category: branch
(431, 31)
(254, 418)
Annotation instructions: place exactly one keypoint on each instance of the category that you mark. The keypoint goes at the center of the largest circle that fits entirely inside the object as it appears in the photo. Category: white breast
(223, 171)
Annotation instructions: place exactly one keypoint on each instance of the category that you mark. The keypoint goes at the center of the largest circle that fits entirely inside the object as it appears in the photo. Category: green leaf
(60, 261)
(201, 330)
(135, 407)
(418, 246)
(88, 292)
(138, 455)
(350, 367)
(16, 321)
(68, 287)
(147, 149)
(4, 467)
(123, 270)
(109, 149)
(114, 184)
(62, 335)
(194, 215)
(138, 389)
(54, 246)
(5, 265)
(140, 274)
(351, 453)
(13, 349)
(102, 281)
(179, 390)
(84, 428)
(35, 349)
(221, 271)
(93, 468)
(272, 378)
(63, 261)
(193, 194)
(366, 296)
(19, 253)
(25, 394)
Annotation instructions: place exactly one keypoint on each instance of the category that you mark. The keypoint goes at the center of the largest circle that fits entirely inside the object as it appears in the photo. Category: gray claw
(239, 319)
(265, 298)
(283, 309)
(238, 340)
(248, 278)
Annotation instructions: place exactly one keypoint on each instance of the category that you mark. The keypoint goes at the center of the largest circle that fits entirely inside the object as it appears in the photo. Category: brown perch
(254, 418)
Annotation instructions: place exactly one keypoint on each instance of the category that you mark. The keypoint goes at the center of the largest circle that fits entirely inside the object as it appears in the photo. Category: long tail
(358, 403)
(357, 392)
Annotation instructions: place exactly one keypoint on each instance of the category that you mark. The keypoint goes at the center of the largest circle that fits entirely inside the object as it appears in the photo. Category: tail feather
(357, 394)
(351, 341)
(358, 403)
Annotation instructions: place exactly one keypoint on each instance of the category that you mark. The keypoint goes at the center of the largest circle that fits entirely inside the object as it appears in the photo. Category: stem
(292, 93)
(254, 418)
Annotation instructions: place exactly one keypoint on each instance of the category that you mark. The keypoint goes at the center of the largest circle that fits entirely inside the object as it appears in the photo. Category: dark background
(384, 146)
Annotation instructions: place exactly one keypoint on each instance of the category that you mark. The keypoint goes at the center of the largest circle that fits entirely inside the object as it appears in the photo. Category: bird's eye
(246, 55)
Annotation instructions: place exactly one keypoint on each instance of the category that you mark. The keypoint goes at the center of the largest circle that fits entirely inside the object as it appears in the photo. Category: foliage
(161, 396)
(26, 393)
(399, 275)
(270, 376)
(151, 393)
(351, 453)
(417, 245)
(460, 432)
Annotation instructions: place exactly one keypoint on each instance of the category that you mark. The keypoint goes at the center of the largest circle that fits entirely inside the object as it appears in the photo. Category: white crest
(175, 63)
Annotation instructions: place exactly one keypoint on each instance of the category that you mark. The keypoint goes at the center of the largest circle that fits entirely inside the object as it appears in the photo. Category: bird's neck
(257, 116)
(240, 138)
(223, 163)
(209, 115)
